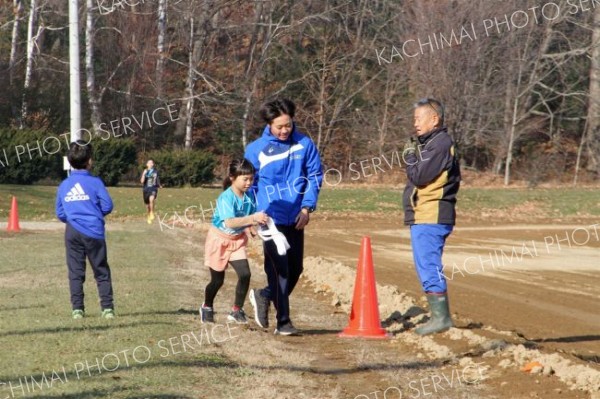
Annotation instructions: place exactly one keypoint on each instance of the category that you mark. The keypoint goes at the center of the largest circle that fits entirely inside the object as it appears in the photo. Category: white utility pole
(74, 70)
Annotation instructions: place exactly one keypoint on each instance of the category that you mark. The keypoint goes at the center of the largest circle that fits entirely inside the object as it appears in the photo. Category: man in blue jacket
(430, 206)
(82, 201)
(287, 185)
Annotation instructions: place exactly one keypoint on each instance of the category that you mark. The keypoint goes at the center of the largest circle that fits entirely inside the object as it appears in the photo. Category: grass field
(72, 358)
(37, 202)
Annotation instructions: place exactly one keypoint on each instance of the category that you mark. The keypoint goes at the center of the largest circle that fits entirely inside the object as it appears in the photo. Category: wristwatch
(309, 209)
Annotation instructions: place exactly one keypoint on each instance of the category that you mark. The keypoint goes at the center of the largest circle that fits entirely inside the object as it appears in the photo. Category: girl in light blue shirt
(227, 239)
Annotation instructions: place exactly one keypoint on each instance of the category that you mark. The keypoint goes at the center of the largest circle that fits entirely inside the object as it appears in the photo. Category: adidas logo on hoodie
(76, 194)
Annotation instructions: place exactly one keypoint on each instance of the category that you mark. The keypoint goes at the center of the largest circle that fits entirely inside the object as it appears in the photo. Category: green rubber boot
(440, 315)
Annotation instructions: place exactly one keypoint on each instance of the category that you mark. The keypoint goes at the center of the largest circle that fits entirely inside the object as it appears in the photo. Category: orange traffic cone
(13, 217)
(364, 317)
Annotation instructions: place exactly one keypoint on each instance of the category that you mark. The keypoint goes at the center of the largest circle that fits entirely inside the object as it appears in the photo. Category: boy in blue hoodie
(82, 201)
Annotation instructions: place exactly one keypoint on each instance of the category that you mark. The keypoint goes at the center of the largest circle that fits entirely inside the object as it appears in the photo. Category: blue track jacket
(289, 175)
(83, 201)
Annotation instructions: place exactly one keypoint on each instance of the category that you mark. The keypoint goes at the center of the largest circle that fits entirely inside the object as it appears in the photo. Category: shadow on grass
(93, 370)
(222, 363)
(11, 270)
(162, 312)
(104, 393)
(58, 330)
(9, 308)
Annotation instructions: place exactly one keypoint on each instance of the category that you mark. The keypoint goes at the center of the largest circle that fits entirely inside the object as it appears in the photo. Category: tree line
(520, 79)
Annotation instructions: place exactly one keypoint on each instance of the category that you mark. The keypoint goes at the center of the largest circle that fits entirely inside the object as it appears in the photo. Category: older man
(429, 205)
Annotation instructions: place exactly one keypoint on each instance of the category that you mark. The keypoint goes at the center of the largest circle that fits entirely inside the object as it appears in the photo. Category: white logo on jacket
(265, 159)
(76, 194)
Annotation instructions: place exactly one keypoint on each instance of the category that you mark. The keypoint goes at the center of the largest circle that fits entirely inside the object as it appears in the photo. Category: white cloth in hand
(269, 232)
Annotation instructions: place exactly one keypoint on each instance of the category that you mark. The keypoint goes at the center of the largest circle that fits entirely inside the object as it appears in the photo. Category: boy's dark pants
(283, 272)
(78, 247)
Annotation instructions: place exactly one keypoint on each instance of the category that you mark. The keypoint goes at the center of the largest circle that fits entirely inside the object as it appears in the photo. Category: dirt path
(534, 300)
(317, 364)
(480, 360)
(551, 298)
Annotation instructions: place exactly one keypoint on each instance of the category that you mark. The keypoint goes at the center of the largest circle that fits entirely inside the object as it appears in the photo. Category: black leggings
(242, 268)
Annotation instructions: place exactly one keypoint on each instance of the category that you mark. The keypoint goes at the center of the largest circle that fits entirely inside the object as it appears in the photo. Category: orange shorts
(220, 248)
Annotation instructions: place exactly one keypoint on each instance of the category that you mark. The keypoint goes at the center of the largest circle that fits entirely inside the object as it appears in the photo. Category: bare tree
(332, 81)
(509, 93)
(93, 96)
(18, 10)
(263, 32)
(190, 91)
(200, 32)
(31, 47)
(387, 115)
(593, 112)
(160, 62)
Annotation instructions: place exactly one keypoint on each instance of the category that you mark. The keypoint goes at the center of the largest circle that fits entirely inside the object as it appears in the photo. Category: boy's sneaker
(108, 314)
(151, 217)
(286, 329)
(149, 220)
(261, 308)
(238, 316)
(207, 315)
(78, 314)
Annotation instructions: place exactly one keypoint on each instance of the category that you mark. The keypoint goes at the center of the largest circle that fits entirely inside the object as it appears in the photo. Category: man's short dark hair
(276, 108)
(79, 154)
(435, 105)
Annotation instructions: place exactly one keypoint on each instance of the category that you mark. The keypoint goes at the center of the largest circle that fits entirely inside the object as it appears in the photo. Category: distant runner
(151, 183)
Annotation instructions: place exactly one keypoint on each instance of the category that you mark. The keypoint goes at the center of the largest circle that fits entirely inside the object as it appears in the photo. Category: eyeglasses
(435, 105)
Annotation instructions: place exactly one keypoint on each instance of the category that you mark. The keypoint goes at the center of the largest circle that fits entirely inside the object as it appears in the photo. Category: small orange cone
(364, 317)
(13, 217)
